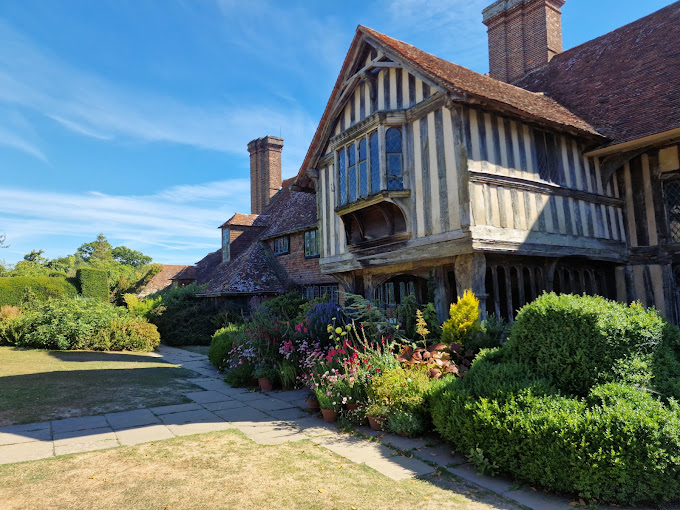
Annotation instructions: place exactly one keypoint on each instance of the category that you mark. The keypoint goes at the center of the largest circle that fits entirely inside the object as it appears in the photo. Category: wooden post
(369, 287)
(440, 293)
(470, 272)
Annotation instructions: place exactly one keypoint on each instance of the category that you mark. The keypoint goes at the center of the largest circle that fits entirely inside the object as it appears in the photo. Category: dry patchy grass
(42, 385)
(225, 470)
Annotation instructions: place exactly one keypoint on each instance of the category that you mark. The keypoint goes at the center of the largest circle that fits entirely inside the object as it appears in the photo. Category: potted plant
(377, 414)
(330, 404)
(265, 377)
(312, 402)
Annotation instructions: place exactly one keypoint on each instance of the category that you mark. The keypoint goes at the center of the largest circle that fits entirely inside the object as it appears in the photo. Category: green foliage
(463, 323)
(221, 344)
(129, 257)
(240, 375)
(545, 408)
(285, 307)
(93, 283)
(13, 289)
(77, 323)
(619, 446)
(406, 313)
(99, 249)
(430, 316)
(149, 307)
(407, 423)
(186, 320)
(328, 399)
(287, 374)
(576, 340)
(266, 372)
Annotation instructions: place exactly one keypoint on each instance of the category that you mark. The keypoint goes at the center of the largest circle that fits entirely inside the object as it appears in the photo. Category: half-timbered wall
(528, 179)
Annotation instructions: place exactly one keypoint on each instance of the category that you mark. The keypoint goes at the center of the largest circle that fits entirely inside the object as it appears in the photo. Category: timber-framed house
(557, 171)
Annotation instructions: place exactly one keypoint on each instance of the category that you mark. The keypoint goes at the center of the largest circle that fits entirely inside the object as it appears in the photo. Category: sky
(131, 117)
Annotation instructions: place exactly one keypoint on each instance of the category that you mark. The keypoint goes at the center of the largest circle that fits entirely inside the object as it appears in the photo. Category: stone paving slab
(87, 422)
(292, 395)
(314, 427)
(243, 414)
(402, 443)
(495, 483)
(129, 419)
(198, 428)
(293, 413)
(73, 442)
(179, 408)
(208, 383)
(26, 451)
(146, 434)
(441, 455)
(270, 404)
(207, 397)
(538, 500)
(25, 433)
(196, 416)
(226, 404)
(248, 396)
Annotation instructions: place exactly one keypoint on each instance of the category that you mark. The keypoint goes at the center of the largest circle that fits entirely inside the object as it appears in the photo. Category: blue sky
(131, 117)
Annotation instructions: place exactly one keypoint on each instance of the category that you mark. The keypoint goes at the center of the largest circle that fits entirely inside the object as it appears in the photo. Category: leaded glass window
(672, 192)
(281, 245)
(374, 152)
(311, 244)
(351, 171)
(363, 171)
(395, 178)
(342, 177)
(226, 238)
(547, 158)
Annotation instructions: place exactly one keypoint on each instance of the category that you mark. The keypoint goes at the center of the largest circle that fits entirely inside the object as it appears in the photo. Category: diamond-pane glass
(672, 190)
(352, 173)
(363, 169)
(393, 150)
(342, 177)
(375, 162)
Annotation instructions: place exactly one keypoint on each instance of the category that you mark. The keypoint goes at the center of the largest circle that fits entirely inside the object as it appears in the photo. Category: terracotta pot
(329, 415)
(352, 407)
(265, 383)
(253, 381)
(375, 423)
(313, 404)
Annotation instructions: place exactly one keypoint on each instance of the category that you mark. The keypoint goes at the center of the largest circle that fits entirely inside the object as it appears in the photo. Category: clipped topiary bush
(222, 343)
(93, 283)
(14, 289)
(581, 341)
(543, 408)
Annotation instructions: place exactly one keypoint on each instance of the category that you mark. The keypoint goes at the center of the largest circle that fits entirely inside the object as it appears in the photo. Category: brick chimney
(265, 171)
(523, 35)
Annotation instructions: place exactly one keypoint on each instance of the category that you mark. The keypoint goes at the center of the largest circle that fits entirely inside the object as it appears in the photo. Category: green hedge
(15, 288)
(544, 407)
(77, 324)
(222, 343)
(94, 283)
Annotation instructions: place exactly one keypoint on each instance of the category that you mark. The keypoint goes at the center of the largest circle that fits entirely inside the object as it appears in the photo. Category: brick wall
(265, 171)
(523, 35)
(301, 270)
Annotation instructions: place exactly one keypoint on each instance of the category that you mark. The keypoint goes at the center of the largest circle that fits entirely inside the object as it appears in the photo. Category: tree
(130, 257)
(99, 249)
(36, 256)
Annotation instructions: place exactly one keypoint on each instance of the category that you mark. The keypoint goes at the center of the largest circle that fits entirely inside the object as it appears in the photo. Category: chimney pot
(523, 35)
(265, 171)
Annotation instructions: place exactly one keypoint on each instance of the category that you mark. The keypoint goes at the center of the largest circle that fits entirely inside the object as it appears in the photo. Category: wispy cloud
(33, 79)
(455, 27)
(182, 220)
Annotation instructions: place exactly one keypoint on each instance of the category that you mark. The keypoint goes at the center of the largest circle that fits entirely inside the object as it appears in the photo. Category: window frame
(281, 250)
(226, 244)
(309, 254)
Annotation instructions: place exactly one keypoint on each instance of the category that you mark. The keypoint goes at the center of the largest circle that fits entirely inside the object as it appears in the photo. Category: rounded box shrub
(221, 344)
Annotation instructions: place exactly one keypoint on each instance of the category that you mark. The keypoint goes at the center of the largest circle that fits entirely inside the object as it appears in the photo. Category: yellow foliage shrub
(463, 323)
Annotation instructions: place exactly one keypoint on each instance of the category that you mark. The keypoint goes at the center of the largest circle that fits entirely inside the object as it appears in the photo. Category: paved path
(266, 418)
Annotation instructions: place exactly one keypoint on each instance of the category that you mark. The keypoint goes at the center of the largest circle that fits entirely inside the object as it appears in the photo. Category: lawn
(225, 470)
(46, 385)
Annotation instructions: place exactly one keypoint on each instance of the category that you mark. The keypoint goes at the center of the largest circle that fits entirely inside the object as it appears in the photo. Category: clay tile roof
(456, 79)
(462, 80)
(253, 269)
(188, 273)
(244, 220)
(162, 280)
(626, 83)
(287, 183)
